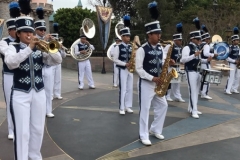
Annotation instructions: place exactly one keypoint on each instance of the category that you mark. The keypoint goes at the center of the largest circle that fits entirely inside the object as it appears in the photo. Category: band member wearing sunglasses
(7, 74)
(28, 98)
(40, 30)
(192, 61)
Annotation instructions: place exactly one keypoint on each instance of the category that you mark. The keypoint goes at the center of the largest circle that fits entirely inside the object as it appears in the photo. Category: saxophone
(135, 44)
(165, 76)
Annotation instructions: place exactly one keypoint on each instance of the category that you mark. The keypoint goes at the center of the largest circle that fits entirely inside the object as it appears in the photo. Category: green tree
(70, 22)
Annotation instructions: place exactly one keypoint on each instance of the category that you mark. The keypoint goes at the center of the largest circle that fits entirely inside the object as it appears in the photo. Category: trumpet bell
(88, 28)
(53, 46)
(48, 47)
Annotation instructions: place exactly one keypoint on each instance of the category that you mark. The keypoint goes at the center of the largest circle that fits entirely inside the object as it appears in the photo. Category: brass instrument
(165, 76)
(88, 29)
(48, 47)
(118, 27)
(135, 44)
(60, 40)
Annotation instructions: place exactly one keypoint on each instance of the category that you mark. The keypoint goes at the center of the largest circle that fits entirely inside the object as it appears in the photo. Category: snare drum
(181, 77)
(211, 76)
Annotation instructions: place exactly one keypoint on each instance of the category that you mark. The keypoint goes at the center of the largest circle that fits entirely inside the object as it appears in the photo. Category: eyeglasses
(42, 30)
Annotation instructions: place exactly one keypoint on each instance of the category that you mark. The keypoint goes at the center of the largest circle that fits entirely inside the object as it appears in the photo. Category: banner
(104, 15)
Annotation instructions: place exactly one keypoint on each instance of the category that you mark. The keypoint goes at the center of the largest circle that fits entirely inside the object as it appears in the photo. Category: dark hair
(17, 38)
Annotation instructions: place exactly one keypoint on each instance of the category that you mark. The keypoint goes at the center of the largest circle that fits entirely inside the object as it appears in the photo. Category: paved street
(87, 126)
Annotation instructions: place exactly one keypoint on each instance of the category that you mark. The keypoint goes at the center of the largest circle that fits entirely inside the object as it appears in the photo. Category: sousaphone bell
(89, 30)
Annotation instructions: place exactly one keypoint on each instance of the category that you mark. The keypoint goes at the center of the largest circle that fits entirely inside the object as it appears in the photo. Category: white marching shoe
(235, 91)
(129, 110)
(157, 135)
(198, 112)
(58, 97)
(146, 142)
(50, 115)
(206, 97)
(196, 116)
(92, 87)
(180, 100)
(10, 136)
(122, 112)
(169, 99)
(228, 92)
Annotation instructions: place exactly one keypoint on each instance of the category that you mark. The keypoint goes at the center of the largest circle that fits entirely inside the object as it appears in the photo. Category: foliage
(217, 18)
(70, 22)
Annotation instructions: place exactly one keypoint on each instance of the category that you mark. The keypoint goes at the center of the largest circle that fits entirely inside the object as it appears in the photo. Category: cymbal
(222, 65)
(216, 39)
(222, 68)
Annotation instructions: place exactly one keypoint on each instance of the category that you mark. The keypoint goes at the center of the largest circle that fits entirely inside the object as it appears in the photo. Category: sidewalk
(87, 126)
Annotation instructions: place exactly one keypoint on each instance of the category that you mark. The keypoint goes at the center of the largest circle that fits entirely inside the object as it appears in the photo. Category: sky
(69, 4)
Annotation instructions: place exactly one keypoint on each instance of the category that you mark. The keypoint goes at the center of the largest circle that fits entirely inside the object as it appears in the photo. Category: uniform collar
(193, 44)
(124, 44)
(23, 45)
(11, 38)
(39, 37)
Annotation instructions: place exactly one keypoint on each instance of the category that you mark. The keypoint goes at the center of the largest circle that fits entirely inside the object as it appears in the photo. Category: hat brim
(154, 32)
(26, 30)
(126, 34)
(40, 28)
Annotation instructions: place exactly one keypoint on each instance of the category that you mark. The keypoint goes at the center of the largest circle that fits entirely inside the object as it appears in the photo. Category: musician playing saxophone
(149, 61)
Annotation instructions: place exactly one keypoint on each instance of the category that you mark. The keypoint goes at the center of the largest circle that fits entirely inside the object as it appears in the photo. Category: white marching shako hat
(24, 23)
(40, 24)
(178, 35)
(235, 32)
(155, 25)
(196, 34)
(205, 35)
(126, 30)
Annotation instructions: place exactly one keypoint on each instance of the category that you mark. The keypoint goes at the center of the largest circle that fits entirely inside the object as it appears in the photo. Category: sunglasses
(42, 30)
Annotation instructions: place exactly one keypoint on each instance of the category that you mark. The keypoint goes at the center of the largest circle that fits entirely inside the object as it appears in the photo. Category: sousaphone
(89, 30)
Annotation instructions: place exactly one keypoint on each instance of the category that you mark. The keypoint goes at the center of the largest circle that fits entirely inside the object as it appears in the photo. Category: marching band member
(57, 69)
(28, 99)
(149, 61)
(122, 54)
(7, 73)
(84, 66)
(115, 69)
(205, 54)
(191, 60)
(40, 29)
(176, 56)
(233, 60)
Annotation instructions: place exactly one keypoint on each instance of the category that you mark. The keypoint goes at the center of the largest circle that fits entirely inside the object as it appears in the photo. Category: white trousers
(7, 89)
(125, 89)
(48, 86)
(175, 91)
(233, 78)
(115, 75)
(204, 88)
(193, 79)
(148, 97)
(57, 76)
(28, 111)
(84, 67)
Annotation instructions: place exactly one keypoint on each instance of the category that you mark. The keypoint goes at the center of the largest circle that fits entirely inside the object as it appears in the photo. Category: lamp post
(103, 67)
(228, 33)
(215, 5)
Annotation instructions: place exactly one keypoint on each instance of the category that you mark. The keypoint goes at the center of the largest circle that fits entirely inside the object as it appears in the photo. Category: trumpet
(48, 47)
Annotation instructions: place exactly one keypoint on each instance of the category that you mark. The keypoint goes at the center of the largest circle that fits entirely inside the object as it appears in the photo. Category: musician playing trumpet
(28, 98)
(84, 67)
(122, 55)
